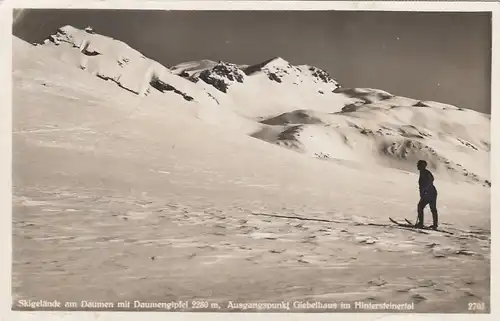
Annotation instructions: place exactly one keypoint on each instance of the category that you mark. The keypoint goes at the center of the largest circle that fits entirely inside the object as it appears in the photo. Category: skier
(428, 195)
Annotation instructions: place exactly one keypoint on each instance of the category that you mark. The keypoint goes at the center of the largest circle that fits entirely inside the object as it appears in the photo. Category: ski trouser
(432, 204)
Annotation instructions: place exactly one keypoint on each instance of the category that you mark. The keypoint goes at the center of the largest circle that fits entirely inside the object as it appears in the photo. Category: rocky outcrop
(221, 76)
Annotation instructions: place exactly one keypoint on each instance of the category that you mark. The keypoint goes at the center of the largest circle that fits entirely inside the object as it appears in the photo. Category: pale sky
(444, 57)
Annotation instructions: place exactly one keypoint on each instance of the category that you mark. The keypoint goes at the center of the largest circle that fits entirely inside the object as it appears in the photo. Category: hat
(422, 162)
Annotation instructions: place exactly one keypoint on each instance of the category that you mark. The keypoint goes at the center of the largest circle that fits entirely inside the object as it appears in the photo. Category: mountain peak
(67, 29)
(222, 75)
(271, 64)
(277, 62)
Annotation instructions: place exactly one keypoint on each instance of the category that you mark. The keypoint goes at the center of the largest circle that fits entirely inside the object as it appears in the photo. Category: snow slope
(283, 84)
(118, 63)
(123, 197)
(275, 86)
(454, 142)
(191, 68)
(299, 107)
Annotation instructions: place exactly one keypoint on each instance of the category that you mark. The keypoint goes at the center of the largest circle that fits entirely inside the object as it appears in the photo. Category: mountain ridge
(302, 107)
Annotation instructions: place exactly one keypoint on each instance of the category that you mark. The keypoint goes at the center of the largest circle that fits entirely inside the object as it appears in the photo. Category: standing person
(428, 195)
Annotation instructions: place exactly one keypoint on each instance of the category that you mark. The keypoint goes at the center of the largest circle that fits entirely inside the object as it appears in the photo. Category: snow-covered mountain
(132, 181)
(302, 108)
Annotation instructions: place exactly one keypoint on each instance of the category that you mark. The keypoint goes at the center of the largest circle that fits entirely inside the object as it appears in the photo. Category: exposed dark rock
(116, 82)
(322, 75)
(420, 104)
(184, 74)
(163, 87)
(221, 76)
(90, 53)
(274, 77)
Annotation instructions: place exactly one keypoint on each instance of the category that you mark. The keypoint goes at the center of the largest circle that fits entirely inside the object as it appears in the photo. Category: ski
(410, 225)
(402, 224)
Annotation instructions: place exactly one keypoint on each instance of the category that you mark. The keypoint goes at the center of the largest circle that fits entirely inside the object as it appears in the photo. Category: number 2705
(476, 306)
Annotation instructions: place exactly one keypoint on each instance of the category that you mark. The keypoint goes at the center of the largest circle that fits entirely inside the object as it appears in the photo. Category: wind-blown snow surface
(155, 198)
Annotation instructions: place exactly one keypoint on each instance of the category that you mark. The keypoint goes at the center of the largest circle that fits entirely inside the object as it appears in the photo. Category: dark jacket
(426, 185)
